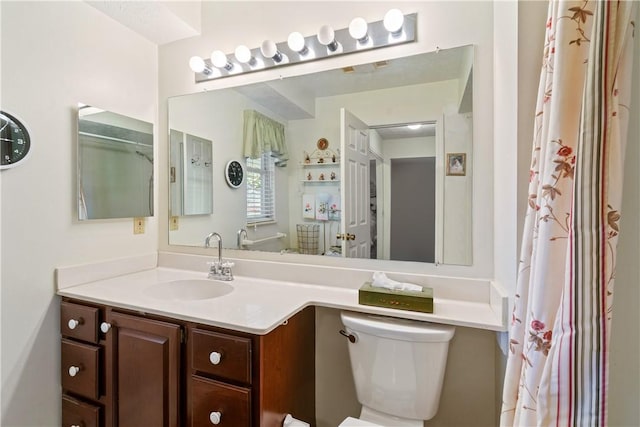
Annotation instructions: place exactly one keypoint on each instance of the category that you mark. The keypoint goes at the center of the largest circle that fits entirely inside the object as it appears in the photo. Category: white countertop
(256, 305)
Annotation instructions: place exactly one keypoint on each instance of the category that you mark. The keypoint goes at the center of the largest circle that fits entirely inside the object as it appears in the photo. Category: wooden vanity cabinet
(270, 375)
(119, 369)
(142, 370)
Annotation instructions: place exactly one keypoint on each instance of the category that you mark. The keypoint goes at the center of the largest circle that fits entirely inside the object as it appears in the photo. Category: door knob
(346, 236)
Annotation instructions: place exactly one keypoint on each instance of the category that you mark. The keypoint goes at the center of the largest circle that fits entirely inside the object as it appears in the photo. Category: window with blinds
(261, 192)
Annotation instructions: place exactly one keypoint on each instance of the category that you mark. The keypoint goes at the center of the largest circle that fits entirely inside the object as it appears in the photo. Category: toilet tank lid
(396, 328)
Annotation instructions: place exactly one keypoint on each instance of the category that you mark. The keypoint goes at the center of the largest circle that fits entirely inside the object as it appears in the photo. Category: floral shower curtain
(557, 370)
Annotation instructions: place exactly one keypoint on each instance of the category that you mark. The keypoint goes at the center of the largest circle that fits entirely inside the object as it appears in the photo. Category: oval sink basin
(189, 290)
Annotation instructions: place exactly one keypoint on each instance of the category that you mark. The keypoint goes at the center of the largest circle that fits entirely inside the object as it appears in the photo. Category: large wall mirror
(369, 161)
(115, 165)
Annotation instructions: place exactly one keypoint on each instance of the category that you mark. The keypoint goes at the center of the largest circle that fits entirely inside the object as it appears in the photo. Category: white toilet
(398, 368)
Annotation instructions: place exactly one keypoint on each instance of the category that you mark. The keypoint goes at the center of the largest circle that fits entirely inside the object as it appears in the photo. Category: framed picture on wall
(456, 164)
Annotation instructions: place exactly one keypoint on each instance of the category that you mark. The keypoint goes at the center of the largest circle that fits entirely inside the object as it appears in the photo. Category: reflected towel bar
(246, 242)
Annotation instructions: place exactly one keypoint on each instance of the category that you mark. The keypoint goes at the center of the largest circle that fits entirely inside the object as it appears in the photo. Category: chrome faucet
(218, 270)
(241, 232)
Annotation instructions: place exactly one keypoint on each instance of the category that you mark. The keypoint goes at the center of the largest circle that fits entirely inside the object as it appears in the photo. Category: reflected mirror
(348, 162)
(115, 165)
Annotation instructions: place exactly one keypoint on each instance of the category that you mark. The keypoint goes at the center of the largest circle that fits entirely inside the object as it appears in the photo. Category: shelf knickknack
(322, 155)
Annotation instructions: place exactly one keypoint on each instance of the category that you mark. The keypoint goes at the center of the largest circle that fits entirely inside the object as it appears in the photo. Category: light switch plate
(138, 225)
(173, 223)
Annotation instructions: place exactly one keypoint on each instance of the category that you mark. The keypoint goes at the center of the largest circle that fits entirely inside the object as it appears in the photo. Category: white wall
(54, 55)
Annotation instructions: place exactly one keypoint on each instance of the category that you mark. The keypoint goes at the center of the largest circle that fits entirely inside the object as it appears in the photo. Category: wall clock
(234, 173)
(14, 141)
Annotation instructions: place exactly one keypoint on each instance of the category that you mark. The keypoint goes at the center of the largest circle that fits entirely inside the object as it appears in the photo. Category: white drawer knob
(73, 371)
(75, 425)
(215, 417)
(215, 357)
(73, 323)
(104, 327)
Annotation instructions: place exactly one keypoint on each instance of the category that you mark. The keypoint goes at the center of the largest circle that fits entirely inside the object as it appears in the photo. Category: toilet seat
(354, 422)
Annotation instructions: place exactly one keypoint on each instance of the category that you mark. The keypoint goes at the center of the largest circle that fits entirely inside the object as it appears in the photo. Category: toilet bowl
(398, 368)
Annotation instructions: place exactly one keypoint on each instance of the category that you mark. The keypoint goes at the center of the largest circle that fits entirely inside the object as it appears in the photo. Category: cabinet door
(145, 371)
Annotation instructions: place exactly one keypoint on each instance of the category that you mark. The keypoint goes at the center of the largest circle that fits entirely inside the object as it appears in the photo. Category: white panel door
(354, 149)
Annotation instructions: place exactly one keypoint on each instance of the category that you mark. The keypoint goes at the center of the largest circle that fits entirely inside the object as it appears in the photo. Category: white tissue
(289, 421)
(380, 280)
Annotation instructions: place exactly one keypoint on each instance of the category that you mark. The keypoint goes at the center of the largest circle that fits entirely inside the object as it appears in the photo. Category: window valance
(264, 135)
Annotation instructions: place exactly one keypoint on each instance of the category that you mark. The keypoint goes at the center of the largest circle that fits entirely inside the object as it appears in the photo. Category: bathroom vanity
(127, 368)
(237, 353)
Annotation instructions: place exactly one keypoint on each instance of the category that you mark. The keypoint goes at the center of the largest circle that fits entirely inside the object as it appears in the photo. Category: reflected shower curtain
(558, 350)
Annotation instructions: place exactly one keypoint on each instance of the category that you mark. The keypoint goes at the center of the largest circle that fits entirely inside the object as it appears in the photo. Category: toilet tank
(398, 365)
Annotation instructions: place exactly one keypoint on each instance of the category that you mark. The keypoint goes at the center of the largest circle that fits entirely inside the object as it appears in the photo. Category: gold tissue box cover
(399, 300)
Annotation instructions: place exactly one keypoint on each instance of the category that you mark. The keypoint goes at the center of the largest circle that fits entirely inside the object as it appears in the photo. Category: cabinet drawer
(231, 403)
(80, 368)
(79, 321)
(234, 355)
(77, 413)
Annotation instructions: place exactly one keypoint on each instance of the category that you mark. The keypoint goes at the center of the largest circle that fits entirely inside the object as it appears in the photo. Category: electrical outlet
(173, 223)
(138, 225)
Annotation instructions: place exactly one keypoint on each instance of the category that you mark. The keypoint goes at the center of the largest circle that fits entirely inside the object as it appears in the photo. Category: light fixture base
(378, 37)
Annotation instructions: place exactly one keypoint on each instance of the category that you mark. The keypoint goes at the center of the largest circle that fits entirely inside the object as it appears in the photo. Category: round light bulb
(393, 21)
(296, 42)
(358, 29)
(219, 59)
(269, 49)
(326, 35)
(243, 54)
(197, 64)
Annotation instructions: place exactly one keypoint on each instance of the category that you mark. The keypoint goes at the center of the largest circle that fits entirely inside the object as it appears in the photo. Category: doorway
(413, 211)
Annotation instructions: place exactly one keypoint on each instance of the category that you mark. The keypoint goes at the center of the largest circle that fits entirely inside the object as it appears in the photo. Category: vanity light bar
(298, 49)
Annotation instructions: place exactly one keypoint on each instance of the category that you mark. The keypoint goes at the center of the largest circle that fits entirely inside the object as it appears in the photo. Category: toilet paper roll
(289, 421)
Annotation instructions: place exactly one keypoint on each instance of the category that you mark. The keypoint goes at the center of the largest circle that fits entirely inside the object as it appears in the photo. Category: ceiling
(431, 67)
(160, 22)
(403, 131)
